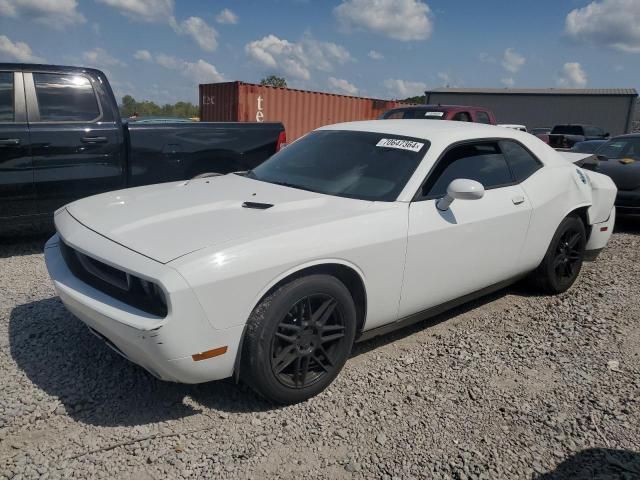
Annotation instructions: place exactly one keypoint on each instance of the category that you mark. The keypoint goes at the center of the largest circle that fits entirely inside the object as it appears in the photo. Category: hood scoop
(257, 205)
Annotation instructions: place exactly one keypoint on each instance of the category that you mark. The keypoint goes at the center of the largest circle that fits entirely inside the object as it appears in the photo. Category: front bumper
(163, 346)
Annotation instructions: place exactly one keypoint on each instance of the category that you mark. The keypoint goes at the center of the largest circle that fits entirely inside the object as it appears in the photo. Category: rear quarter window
(522, 163)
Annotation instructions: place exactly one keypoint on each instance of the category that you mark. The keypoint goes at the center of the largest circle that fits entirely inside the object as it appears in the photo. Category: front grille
(116, 283)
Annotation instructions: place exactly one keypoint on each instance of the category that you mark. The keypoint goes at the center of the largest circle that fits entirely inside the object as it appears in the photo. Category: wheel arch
(582, 213)
(348, 273)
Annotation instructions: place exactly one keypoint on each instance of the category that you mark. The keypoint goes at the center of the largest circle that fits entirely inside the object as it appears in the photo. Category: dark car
(62, 138)
(619, 158)
(442, 112)
(588, 146)
(566, 136)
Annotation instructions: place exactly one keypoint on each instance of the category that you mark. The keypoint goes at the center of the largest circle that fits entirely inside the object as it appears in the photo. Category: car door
(17, 194)
(472, 245)
(75, 136)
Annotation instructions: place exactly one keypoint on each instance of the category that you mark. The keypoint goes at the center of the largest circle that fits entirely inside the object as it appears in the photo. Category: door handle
(517, 200)
(94, 139)
(9, 141)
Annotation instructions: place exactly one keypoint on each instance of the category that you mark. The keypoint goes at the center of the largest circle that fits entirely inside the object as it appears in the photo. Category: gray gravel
(512, 386)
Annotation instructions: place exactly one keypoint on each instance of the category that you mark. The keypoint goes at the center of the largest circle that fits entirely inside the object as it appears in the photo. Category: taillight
(282, 141)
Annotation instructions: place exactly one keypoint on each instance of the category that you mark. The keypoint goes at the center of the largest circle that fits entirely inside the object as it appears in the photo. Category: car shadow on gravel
(94, 385)
(597, 463)
(377, 342)
(627, 224)
(22, 245)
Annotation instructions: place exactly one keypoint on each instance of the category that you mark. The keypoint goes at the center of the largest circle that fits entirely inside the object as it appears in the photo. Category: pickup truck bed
(62, 138)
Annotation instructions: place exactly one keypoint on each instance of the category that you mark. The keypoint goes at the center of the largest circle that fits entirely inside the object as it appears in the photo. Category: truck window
(6, 97)
(65, 98)
(483, 117)
(462, 117)
(567, 130)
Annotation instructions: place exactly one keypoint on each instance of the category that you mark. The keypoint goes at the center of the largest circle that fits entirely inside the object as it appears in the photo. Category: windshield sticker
(400, 144)
(433, 114)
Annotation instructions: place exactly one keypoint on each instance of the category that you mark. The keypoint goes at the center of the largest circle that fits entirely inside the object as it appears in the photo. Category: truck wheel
(562, 263)
(298, 339)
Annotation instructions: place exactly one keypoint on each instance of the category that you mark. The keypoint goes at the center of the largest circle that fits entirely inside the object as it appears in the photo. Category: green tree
(274, 81)
(147, 108)
(420, 99)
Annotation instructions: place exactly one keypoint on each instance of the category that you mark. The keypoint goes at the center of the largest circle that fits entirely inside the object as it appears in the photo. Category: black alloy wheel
(308, 342)
(298, 338)
(568, 255)
(563, 261)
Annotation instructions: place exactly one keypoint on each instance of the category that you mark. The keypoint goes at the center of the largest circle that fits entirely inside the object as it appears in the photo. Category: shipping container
(299, 110)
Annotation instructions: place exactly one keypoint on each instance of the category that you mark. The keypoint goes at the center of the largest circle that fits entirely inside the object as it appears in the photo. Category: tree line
(146, 108)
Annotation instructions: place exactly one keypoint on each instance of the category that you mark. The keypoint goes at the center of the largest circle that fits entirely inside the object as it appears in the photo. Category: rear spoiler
(584, 160)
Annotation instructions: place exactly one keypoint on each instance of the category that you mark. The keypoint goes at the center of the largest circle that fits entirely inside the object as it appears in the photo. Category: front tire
(563, 261)
(298, 339)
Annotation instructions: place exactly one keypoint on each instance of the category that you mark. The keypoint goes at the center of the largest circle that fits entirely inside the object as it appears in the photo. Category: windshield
(586, 147)
(621, 148)
(362, 165)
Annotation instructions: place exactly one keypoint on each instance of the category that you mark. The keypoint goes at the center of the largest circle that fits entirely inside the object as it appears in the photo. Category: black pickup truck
(566, 136)
(62, 138)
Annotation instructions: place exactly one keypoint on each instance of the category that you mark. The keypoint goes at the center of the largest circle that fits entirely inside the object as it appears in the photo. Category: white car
(349, 232)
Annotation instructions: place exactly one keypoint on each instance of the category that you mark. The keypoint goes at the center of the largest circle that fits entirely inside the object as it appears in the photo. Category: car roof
(627, 135)
(447, 130)
(438, 107)
(28, 67)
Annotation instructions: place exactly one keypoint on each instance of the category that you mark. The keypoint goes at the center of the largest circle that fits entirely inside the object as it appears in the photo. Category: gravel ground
(512, 386)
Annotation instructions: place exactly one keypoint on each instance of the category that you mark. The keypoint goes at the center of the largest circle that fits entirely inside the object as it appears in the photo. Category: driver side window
(483, 162)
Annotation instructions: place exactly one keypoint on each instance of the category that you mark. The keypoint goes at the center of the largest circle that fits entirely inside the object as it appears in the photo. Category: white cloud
(343, 86)
(201, 33)
(375, 55)
(297, 59)
(484, 57)
(227, 16)
(53, 13)
(202, 72)
(199, 72)
(16, 51)
(614, 23)
(151, 11)
(398, 19)
(512, 61)
(404, 88)
(508, 81)
(572, 76)
(99, 57)
(144, 55)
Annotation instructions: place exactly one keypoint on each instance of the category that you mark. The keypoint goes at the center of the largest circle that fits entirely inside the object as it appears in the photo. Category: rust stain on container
(299, 110)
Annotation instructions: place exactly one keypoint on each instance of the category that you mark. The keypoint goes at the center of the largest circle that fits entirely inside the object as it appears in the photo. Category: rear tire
(563, 261)
(298, 339)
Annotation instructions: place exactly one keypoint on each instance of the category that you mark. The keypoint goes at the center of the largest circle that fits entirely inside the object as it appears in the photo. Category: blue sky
(161, 49)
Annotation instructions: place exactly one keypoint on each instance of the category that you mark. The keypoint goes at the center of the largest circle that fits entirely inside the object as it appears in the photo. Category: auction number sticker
(400, 144)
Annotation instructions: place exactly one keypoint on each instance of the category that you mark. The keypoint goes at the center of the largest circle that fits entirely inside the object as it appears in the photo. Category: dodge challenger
(272, 274)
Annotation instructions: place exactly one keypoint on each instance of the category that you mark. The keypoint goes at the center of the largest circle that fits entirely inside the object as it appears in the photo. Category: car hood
(625, 173)
(167, 221)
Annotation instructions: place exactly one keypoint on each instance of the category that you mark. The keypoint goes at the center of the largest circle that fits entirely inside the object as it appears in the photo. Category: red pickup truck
(442, 112)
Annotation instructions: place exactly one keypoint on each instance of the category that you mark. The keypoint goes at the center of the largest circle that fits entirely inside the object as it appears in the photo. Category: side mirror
(462, 189)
